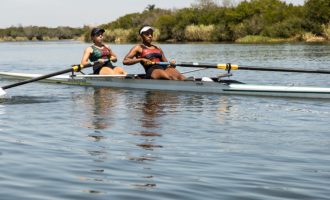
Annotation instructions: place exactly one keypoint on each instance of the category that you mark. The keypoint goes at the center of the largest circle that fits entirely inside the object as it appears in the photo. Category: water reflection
(17, 100)
(158, 104)
(224, 109)
(104, 101)
(152, 111)
(154, 108)
(2, 113)
(99, 109)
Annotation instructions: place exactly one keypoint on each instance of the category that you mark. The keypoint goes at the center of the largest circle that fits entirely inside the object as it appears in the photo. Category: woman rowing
(102, 53)
(148, 55)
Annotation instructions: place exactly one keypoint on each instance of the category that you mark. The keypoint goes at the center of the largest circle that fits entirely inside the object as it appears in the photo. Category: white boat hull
(198, 86)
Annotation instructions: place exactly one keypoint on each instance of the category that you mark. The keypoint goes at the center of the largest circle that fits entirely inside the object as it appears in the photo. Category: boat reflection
(154, 108)
(104, 107)
(156, 105)
(99, 108)
(150, 113)
(224, 109)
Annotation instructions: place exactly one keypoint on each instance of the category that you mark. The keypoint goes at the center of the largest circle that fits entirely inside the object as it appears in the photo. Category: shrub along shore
(251, 21)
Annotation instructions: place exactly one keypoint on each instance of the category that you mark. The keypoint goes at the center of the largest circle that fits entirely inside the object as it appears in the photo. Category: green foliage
(317, 13)
(133, 35)
(326, 30)
(165, 24)
(249, 18)
(117, 35)
(254, 39)
(285, 29)
(222, 33)
(40, 33)
(125, 22)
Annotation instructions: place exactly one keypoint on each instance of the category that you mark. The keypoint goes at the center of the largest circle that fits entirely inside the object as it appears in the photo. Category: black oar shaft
(72, 69)
(36, 79)
(237, 67)
(318, 71)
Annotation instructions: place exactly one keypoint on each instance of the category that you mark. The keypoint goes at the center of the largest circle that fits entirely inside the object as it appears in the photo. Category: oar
(229, 67)
(74, 68)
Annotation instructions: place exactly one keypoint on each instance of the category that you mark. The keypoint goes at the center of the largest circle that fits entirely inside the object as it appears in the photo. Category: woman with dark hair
(148, 54)
(101, 52)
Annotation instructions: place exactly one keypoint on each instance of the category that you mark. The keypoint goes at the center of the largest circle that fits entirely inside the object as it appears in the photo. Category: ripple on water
(66, 142)
(13, 100)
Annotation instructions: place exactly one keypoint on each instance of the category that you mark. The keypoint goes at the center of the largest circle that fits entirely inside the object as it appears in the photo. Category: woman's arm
(113, 56)
(85, 58)
(131, 58)
(164, 59)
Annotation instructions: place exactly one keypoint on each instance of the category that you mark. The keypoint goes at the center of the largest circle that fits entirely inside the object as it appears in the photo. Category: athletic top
(155, 55)
(97, 53)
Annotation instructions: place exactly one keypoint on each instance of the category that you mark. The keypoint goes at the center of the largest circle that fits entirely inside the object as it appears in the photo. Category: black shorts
(97, 68)
(149, 70)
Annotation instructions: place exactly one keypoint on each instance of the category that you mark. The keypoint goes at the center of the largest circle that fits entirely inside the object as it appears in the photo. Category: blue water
(69, 142)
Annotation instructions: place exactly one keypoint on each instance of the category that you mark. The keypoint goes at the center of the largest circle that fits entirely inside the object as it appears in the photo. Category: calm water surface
(67, 142)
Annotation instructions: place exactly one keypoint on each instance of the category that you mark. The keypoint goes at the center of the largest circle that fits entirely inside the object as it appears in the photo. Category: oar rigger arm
(79, 67)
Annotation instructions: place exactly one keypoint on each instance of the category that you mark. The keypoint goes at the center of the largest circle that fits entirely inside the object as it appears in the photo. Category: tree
(205, 4)
(150, 7)
(318, 11)
(317, 14)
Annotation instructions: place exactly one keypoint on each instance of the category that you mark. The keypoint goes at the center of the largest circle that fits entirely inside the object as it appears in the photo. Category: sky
(77, 13)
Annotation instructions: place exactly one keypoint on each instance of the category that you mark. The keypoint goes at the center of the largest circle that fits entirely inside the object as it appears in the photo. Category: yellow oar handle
(227, 66)
(77, 68)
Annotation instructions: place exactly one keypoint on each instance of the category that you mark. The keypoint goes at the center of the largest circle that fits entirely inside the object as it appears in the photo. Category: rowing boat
(215, 85)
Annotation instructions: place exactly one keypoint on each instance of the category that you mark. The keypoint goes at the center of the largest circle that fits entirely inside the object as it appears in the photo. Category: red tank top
(154, 55)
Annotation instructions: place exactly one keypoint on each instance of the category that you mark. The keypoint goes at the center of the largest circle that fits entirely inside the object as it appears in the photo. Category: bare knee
(160, 74)
(175, 75)
(119, 70)
(106, 71)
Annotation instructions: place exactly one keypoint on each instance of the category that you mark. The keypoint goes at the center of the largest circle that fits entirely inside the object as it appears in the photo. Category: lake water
(69, 142)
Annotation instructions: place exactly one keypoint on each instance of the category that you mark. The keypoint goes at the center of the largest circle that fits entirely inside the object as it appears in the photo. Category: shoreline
(307, 38)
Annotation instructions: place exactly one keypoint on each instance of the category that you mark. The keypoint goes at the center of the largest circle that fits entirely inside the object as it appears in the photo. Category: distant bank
(252, 21)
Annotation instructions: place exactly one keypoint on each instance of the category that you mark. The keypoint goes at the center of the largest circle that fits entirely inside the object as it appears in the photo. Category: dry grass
(116, 35)
(263, 39)
(326, 30)
(122, 35)
(310, 37)
(199, 32)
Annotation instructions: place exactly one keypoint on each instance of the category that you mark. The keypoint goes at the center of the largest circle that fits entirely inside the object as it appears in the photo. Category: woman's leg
(160, 74)
(174, 74)
(119, 70)
(110, 71)
(106, 71)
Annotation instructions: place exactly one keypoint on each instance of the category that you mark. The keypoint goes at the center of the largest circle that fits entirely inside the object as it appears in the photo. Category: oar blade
(2, 92)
